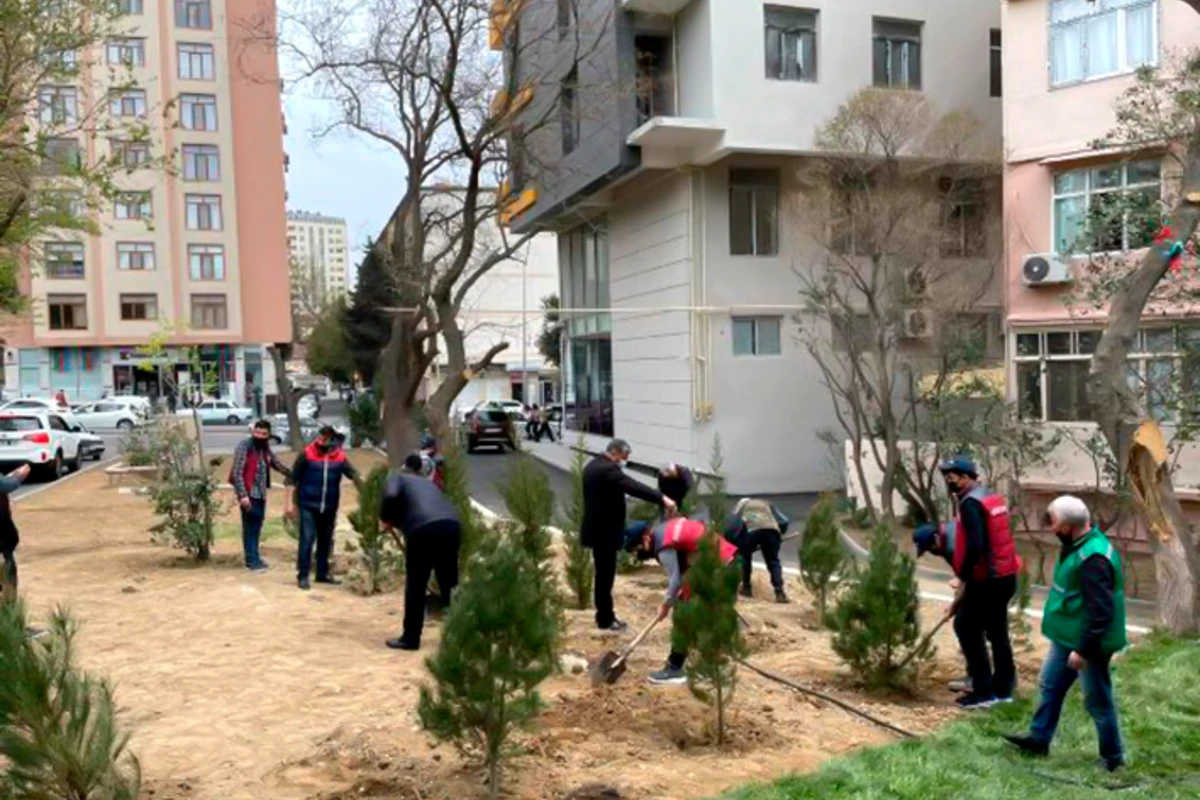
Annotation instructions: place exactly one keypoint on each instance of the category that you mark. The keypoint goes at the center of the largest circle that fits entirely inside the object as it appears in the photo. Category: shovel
(921, 645)
(611, 665)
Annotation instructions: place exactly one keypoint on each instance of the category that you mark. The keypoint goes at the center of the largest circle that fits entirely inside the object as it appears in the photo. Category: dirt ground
(237, 685)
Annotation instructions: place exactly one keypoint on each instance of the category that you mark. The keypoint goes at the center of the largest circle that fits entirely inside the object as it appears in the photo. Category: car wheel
(73, 464)
(233, 420)
(471, 445)
(125, 425)
(53, 470)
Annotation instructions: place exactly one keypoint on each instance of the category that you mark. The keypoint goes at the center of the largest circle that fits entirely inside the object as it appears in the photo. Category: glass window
(756, 336)
(753, 212)
(135, 256)
(791, 46)
(1066, 391)
(198, 112)
(133, 205)
(897, 54)
(964, 228)
(1058, 343)
(209, 312)
(193, 14)
(130, 155)
(67, 312)
(1158, 340)
(1111, 208)
(58, 105)
(64, 260)
(206, 262)
(130, 104)
(129, 6)
(1029, 344)
(997, 63)
(126, 52)
(1097, 38)
(201, 162)
(196, 62)
(139, 307)
(1160, 390)
(1088, 341)
(1029, 390)
(569, 112)
(61, 156)
(203, 212)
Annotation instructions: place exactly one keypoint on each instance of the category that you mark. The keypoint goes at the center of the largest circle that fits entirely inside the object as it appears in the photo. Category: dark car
(489, 428)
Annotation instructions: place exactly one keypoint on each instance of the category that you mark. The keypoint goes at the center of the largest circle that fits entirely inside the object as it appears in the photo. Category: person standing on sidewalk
(416, 507)
(1084, 619)
(9, 536)
(317, 475)
(605, 486)
(985, 565)
(250, 477)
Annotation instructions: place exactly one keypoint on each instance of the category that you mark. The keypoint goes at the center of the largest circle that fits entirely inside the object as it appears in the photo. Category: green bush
(580, 571)
(366, 426)
(183, 492)
(473, 530)
(381, 558)
(821, 554)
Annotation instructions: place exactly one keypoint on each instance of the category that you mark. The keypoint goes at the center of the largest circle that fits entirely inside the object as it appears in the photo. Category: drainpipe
(701, 350)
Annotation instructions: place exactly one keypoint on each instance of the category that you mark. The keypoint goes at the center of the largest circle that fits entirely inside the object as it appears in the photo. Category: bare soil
(238, 685)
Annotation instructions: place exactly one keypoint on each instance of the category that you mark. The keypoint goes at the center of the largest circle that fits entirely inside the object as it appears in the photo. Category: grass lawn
(1158, 697)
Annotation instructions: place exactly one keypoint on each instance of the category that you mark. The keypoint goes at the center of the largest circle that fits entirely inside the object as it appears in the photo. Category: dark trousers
(431, 549)
(605, 560)
(252, 525)
(316, 527)
(1056, 680)
(982, 618)
(8, 581)
(677, 658)
(769, 541)
(543, 429)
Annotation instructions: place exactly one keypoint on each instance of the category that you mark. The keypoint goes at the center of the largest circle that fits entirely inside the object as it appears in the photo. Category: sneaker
(1002, 699)
(402, 644)
(304, 584)
(330, 581)
(781, 596)
(617, 626)
(257, 568)
(972, 701)
(1027, 744)
(961, 685)
(1113, 764)
(746, 591)
(668, 677)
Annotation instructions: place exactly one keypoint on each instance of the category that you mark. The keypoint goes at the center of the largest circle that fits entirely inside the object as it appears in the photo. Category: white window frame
(202, 212)
(128, 104)
(208, 302)
(136, 257)
(75, 261)
(191, 14)
(71, 300)
(144, 206)
(122, 149)
(1101, 9)
(1089, 192)
(211, 256)
(125, 51)
(58, 105)
(200, 61)
(755, 322)
(190, 103)
(149, 301)
(201, 163)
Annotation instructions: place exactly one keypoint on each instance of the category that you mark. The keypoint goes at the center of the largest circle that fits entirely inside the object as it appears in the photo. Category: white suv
(41, 440)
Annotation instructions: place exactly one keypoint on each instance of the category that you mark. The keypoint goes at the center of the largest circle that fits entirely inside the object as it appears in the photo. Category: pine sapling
(380, 556)
(581, 572)
(706, 628)
(875, 623)
(473, 530)
(497, 647)
(716, 499)
(821, 555)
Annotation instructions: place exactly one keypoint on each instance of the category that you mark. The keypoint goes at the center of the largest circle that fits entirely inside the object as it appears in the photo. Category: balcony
(654, 6)
(670, 142)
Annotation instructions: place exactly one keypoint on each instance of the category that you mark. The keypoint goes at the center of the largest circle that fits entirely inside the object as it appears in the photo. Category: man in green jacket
(1084, 620)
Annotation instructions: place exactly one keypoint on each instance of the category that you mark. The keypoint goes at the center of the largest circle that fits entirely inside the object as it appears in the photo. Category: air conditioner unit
(917, 324)
(1045, 269)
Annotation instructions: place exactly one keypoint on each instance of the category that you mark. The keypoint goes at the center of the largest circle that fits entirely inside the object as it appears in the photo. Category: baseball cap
(633, 535)
(960, 464)
(925, 537)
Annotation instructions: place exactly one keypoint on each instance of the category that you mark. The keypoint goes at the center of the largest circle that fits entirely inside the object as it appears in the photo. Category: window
(1092, 39)
(756, 336)
(133, 205)
(58, 105)
(564, 18)
(130, 103)
(61, 156)
(196, 62)
(193, 14)
(198, 112)
(791, 43)
(201, 162)
(964, 232)
(135, 256)
(753, 212)
(63, 203)
(209, 312)
(897, 54)
(585, 284)
(139, 307)
(126, 52)
(206, 262)
(59, 61)
(568, 108)
(64, 261)
(203, 212)
(130, 155)
(997, 64)
(68, 312)
(129, 6)
(1113, 207)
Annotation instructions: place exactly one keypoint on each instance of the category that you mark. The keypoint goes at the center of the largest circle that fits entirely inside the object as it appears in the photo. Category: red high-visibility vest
(1001, 559)
(684, 535)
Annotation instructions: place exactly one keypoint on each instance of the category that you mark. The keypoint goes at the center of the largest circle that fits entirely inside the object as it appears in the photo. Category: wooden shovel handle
(636, 641)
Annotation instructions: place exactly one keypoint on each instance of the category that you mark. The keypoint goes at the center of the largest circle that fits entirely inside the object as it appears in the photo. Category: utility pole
(525, 331)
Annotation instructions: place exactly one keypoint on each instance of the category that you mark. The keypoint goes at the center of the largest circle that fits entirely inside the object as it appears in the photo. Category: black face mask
(261, 444)
(324, 447)
(1065, 539)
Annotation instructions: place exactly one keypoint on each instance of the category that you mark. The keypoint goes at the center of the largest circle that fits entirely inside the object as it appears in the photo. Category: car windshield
(494, 416)
(11, 424)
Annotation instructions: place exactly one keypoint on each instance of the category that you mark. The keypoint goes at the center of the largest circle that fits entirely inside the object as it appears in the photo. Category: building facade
(195, 254)
(317, 247)
(665, 174)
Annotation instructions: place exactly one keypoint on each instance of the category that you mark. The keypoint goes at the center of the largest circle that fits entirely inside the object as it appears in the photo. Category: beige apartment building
(317, 247)
(198, 252)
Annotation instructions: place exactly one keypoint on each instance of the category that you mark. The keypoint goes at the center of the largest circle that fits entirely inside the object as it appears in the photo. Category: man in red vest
(985, 567)
(672, 542)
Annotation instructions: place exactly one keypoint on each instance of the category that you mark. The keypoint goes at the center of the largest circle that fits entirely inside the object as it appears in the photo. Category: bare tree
(902, 204)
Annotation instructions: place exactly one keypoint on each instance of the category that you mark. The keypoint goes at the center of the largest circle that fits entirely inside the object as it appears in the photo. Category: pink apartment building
(200, 250)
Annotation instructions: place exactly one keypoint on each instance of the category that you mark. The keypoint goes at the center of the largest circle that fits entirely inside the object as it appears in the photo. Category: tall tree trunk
(458, 374)
(401, 380)
(288, 396)
(1135, 438)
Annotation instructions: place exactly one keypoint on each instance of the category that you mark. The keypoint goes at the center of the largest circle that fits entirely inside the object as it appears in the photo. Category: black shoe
(781, 596)
(1112, 764)
(304, 584)
(746, 591)
(616, 626)
(402, 644)
(1027, 744)
(329, 581)
(974, 702)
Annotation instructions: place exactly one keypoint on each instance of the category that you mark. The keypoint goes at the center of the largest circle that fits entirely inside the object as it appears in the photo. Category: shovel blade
(608, 669)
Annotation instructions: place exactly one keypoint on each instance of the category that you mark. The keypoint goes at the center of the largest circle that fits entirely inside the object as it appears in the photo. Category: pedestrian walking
(673, 542)
(250, 477)
(533, 422)
(985, 565)
(759, 525)
(9, 536)
(317, 476)
(605, 487)
(1084, 619)
(415, 506)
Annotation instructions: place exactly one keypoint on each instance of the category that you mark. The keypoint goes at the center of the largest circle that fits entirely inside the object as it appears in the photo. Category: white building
(317, 246)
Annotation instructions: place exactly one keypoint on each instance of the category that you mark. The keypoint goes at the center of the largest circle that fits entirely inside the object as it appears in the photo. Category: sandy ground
(236, 685)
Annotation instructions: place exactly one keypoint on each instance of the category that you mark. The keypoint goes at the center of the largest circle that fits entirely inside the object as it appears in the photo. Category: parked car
(219, 412)
(107, 415)
(309, 406)
(281, 429)
(42, 440)
(513, 408)
(490, 427)
(91, 446)
(49, 406)
(142, 406)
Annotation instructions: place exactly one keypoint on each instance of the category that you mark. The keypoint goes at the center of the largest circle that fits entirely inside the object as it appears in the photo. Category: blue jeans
(252, 524)
(315, 527)
(1056, 680)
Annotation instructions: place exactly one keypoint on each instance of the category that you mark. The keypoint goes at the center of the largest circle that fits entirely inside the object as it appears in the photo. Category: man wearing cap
(985, 567)
(939, 540)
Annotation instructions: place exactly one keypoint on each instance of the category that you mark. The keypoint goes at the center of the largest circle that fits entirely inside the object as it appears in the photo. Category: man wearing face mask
(605, 486)
(985, 565)
(1084, 620)
(317, 476)
(250, 477)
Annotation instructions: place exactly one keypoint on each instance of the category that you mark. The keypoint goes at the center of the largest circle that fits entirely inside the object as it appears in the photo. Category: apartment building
(196, 252)
(1066, 64)
(317, 247)
(674, 138)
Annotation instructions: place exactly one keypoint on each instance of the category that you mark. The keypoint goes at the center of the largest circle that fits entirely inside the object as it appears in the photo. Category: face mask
(261, 444)
(323, 447)
(1064, 538)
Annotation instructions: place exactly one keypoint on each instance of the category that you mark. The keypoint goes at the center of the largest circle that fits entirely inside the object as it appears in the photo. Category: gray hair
(1071, 510)
(618, 447)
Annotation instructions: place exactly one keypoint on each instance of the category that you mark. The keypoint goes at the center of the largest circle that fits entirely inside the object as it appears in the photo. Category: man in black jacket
(416, 506)
(605, 486)
(9, 537)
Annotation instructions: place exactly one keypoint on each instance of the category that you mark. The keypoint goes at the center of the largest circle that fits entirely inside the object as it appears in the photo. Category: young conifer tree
(473, 530)
(381, 557)
(581, 572)
(821, 554)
